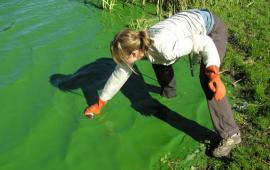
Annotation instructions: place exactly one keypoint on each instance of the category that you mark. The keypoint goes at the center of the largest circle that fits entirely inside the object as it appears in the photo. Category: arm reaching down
(115, 82)
(118, 78)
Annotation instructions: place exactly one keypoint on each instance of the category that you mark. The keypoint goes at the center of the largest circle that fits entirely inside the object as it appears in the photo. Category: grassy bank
(246, 72)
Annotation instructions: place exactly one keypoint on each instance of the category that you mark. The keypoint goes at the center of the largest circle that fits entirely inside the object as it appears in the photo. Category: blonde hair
(126, 41)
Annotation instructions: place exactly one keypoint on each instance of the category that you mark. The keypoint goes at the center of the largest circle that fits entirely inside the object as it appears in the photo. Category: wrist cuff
(101, 102)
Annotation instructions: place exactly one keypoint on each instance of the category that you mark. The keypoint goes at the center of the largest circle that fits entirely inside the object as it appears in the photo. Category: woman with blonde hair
(192, 31)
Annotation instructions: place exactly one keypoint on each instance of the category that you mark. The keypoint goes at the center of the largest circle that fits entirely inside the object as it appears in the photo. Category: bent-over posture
(192, 31)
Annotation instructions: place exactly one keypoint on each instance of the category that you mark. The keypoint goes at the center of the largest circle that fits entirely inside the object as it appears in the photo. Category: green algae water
(54, 60)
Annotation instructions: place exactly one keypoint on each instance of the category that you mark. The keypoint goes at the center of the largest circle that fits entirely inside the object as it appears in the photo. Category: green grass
(248, 59)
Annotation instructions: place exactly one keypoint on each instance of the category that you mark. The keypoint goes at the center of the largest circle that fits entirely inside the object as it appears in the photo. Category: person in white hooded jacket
(192, 31)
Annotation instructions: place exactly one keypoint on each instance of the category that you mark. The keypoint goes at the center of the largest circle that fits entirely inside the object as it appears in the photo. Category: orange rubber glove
(95, 109)
(215, 84)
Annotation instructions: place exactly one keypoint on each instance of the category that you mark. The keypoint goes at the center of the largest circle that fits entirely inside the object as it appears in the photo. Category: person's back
(181, 25)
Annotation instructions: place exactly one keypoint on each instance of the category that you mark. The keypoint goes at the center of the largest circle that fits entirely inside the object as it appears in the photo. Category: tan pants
(221, 112)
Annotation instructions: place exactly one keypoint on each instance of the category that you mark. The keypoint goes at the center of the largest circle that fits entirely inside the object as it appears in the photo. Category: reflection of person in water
(192, 31)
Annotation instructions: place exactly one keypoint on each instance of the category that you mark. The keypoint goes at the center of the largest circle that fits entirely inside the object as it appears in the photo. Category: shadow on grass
(92, 77)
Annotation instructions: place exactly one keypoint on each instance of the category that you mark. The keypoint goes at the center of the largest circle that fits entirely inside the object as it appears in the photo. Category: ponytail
(145, 39)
